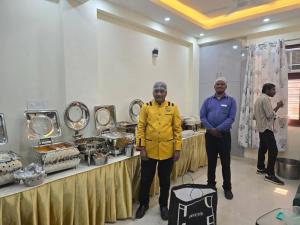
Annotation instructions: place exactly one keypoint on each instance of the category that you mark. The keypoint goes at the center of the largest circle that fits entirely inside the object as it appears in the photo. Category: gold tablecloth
(90, 198)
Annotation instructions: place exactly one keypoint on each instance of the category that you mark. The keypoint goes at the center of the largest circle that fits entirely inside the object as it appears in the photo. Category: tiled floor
(252, 197)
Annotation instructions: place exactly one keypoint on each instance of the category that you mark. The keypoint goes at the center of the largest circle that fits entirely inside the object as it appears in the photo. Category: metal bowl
(77, 116)
(288, 168)
(34, 181)
(100, 159)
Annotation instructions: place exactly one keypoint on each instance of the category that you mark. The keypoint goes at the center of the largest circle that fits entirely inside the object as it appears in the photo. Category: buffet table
(89, 195)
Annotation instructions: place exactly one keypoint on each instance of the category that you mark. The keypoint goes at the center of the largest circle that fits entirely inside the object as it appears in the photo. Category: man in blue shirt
(217, 115)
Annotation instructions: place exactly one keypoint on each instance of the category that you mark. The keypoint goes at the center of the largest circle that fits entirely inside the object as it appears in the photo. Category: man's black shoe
(140, 212)
(228, 194)
(164, 212)
(261, 172)
(274, 179)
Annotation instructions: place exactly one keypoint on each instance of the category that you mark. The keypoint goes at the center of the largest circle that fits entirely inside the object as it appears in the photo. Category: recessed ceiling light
(235, 47)
(243, 54)
(167, 19)
(201, 35)
(266, 20)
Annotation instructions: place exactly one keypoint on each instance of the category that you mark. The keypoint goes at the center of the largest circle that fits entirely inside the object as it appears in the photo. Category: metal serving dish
(99, 159)
(32, 175)
(93, 144)
(105, 118)
(118, 141)
(106, 126)
(77, 117)
(44, 125)
(127, 127)
(191, 123)
(288, 168)
(9, 161)
(3, 132)
(134, 109)
(90, 147)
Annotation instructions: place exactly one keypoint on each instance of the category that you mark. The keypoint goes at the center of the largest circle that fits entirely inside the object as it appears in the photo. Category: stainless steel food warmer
(9, 161)
(128, 127)
(105, 122)
(134, 109)
(77, 117)
(43, 126)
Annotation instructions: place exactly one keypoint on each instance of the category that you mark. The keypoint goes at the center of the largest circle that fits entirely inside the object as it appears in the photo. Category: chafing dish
(105, 118)
(44, 125)
(118, 141)
(9, 161)
(191, 123)
(77, 117)
(134, 109)
(105, 122)
(92, 146)
(32, 175)
(127, 127)
(3, 133)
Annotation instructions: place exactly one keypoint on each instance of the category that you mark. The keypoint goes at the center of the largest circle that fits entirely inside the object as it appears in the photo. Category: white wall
(293, 150)
(110, 62)
(31, 64)
(216, 60)
(127, 58)
(59, 51)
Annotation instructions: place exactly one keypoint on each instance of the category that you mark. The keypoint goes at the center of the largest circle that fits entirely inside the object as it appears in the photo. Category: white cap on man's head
(221, 79)
(160, 86)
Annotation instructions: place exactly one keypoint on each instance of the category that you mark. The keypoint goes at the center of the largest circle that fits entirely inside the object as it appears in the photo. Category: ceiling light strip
(213, 22)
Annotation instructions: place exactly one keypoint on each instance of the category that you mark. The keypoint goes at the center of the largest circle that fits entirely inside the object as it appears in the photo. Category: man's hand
(176, 155)
(215, 132)
(279, 105)
(143, 153)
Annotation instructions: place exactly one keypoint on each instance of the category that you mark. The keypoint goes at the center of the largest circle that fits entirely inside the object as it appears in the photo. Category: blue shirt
(218, 113)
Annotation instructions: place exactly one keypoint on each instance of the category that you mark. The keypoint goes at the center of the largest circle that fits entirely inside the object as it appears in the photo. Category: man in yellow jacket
(159, 141)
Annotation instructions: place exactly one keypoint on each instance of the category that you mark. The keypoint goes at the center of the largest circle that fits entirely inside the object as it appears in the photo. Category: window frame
(293, 76)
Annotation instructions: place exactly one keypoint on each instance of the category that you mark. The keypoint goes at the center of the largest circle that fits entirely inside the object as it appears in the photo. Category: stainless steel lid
(105, 117)
(134, 109)
(3, 132)
(42, 124)
(8, 156)
(77, 116)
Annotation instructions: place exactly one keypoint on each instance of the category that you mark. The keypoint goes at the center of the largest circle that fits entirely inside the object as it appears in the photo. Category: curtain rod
(295, 39)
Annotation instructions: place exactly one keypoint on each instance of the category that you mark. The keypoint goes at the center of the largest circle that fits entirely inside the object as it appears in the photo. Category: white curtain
(266, 63)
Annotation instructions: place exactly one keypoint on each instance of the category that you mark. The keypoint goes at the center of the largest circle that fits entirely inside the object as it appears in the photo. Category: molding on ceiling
(208, 23)
(264, 30)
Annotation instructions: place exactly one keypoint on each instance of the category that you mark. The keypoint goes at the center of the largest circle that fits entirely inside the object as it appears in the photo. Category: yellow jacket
(159, 130)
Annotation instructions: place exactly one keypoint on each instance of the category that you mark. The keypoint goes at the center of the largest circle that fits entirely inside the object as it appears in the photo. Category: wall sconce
(155, 53)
